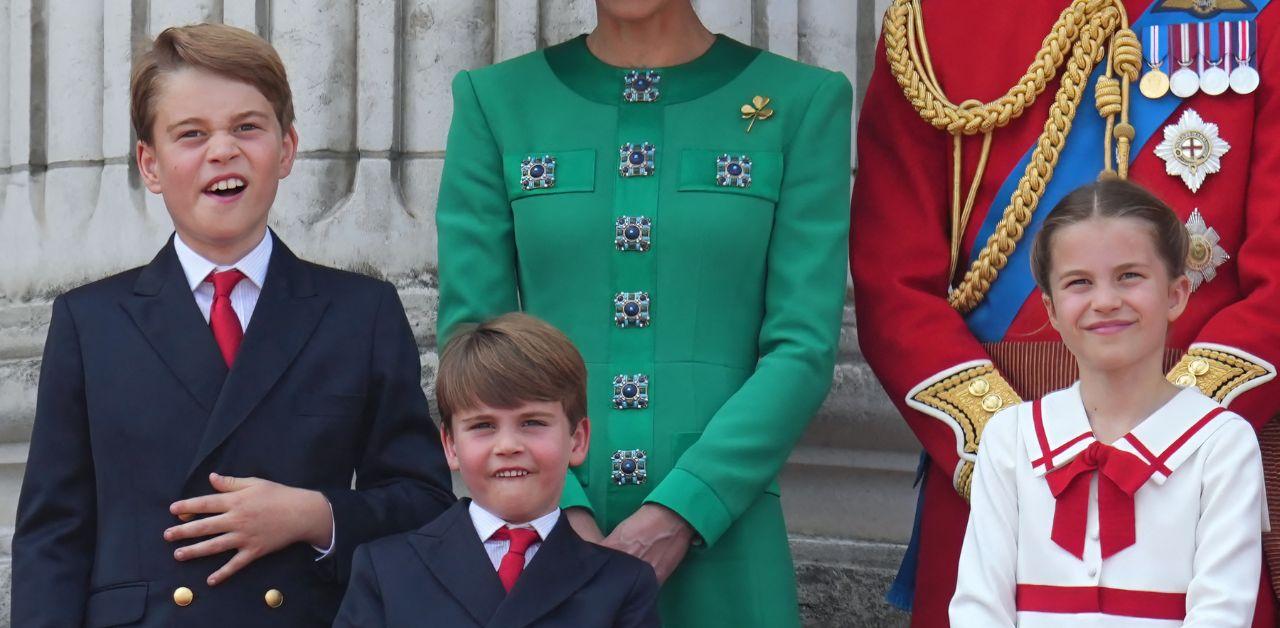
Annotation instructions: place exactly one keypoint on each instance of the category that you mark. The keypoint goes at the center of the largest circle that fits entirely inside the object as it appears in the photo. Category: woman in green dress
(677, 203)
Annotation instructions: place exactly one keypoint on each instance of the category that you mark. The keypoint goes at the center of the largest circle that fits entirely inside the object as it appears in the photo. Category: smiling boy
(199, 419)
(512, 395)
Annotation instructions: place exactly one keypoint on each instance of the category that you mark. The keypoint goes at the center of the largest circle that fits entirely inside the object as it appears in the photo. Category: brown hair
(1113, 198)
(223, 50)
(504, 362)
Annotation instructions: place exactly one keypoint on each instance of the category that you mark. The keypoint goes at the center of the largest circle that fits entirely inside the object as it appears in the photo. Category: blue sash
(1079, 164)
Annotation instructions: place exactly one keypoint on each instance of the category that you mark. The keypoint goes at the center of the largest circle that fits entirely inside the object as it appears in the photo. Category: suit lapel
(287, 313)
(562, 565)
(456, 557)
(165, 312)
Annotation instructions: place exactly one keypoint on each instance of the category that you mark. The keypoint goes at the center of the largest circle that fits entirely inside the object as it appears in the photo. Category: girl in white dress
(1123, 500)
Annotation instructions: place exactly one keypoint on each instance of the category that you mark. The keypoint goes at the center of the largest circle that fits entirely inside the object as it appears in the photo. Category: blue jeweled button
(631, 392)
(733, 171)
(641, 86)
(630, 466)
(636, 160)
(631, 233)
(631, 309)
(537, 172)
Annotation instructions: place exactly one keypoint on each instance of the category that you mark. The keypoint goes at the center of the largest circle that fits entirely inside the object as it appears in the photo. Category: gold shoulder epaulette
(1221, 372)
(964, 397)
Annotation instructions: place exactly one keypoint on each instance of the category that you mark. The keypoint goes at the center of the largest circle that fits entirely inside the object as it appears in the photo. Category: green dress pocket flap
(750, 173)
(549, 172)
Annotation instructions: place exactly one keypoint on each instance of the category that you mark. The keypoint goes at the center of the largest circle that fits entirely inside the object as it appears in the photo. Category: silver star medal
(1192, 149)
(1204, 256)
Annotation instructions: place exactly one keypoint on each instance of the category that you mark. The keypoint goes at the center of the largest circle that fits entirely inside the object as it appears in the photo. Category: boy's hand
(252, 516)
(582, 522)
(656, 535)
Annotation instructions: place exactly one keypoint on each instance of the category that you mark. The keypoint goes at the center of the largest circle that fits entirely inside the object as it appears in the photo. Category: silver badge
(1244, 79)
(1184, 83)
(1205, 255)
(1214, 81)
(1192, 149)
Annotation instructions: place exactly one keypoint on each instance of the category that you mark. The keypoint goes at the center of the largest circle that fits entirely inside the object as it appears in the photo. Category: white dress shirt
(486, 523)
(244, 297)
(1199, 514)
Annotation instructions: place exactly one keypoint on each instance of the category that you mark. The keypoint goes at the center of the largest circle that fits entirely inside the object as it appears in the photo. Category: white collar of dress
(1059, 430)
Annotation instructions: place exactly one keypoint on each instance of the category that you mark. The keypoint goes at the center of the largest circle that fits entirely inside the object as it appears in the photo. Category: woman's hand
(656, 535)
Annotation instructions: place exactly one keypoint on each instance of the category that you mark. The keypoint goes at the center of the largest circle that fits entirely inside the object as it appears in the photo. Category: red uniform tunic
(934, 366)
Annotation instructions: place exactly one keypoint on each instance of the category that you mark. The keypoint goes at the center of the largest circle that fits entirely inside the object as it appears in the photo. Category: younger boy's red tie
(513, 562)
(222, 318)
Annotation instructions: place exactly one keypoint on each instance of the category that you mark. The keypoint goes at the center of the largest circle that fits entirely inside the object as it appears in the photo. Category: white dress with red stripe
(1162, 528)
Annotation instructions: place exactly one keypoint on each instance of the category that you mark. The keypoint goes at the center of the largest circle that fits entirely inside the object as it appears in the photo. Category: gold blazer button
(183, 596)
(274, 598)
(979, 387)
(992, 403)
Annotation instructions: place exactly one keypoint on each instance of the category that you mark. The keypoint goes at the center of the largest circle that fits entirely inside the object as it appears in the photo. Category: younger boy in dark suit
(512, 396)
(200, 418)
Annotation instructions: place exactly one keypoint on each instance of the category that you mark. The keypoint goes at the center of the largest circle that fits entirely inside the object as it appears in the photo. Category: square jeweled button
(631, 233)
(733, 171)
(629, 466)
(631, 309)
(537, 172)
(636, 160)
(641, 86)
(631, 392)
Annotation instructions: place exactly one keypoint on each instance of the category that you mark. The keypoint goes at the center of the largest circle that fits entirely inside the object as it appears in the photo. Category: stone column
(317, 42)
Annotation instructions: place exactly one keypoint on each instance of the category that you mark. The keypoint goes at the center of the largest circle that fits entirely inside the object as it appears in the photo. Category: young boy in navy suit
(199, 419)
(512, 395)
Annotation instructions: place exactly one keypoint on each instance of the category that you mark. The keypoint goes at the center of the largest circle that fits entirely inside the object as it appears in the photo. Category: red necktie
(513, 562)
(1120, 475)
(222, 318)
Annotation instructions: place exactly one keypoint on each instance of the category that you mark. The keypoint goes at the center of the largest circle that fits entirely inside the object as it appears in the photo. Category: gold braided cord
(1080, 38)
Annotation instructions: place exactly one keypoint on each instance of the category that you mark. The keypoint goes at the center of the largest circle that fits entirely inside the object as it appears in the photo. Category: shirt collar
(486, 523)
(1067, 431)
(197, 268)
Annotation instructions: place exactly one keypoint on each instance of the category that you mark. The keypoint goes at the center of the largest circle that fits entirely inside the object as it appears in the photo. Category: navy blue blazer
(441, 576)
(136, 407)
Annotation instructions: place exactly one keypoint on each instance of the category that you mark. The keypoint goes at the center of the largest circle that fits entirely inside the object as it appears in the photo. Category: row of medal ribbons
(1184, 59)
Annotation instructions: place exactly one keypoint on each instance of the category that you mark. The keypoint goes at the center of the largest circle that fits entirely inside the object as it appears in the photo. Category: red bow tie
(1121, 474)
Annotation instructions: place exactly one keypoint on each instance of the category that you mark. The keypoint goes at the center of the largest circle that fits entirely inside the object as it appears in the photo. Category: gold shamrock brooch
(758, 109)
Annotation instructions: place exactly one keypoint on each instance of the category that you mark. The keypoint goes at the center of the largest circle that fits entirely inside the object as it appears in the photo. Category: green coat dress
(698, 267)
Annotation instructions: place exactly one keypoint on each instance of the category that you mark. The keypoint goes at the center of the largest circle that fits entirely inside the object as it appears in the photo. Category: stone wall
(371, 87)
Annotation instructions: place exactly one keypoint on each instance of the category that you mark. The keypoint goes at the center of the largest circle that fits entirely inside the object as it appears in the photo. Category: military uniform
(685, 228)
(1210, 157)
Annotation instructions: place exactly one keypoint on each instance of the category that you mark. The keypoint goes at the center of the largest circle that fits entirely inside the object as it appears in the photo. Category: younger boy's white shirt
(486, 523)
(244, 297)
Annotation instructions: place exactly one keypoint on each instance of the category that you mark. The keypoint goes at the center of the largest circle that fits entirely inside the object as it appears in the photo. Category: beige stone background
(371, 88)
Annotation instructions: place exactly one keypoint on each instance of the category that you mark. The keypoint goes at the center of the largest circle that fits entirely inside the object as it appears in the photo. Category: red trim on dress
(1186, 436)
(1042, 598)
(1047, 459)
(1146, 453)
